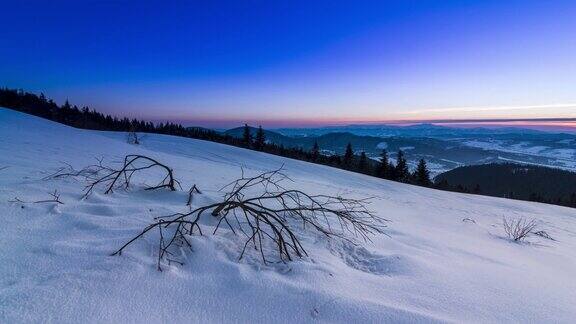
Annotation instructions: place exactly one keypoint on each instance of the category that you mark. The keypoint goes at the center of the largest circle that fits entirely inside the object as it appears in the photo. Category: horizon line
(307, 123)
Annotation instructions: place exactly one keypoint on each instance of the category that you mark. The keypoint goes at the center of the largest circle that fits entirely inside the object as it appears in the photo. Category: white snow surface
(564, 158)
(433, 267)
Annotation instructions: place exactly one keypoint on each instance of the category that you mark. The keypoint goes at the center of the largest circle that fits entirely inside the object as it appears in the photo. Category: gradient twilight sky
(292, 63)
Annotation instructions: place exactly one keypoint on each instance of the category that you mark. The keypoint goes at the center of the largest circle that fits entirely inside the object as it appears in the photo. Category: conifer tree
(315, 152)
(422, 175)
(383, 166)
(477, 189)
(348, 157)
(363, 163)
(247, 137)
(443, 185)
(260, 140)
(401, 171)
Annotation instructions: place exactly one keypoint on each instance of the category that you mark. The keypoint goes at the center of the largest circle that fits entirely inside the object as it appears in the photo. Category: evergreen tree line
(86, 118)
(513, 181)
(351, 161)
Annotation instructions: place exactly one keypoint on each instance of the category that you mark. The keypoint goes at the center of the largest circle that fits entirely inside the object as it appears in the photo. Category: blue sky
(296, 63)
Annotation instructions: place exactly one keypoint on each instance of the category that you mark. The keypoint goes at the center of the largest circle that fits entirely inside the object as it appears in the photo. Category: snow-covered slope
(433, 267)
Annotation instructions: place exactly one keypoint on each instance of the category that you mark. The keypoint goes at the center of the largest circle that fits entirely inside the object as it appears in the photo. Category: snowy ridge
(434, 267)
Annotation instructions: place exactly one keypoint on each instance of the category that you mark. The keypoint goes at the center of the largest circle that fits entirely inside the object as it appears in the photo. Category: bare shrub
(518, 229)
(132, 137)
(262, 211)
(114, 178)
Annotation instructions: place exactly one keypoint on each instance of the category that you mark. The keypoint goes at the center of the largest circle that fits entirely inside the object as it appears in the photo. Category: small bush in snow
(132, 137)
(518, 229)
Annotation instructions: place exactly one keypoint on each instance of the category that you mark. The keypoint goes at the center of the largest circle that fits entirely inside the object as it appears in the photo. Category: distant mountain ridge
(416, 130)
(443, 152)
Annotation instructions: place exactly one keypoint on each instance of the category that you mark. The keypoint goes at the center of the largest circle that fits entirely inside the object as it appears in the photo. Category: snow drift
(432, 267)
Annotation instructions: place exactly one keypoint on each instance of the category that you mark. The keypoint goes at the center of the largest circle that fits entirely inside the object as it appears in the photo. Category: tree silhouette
(477, 189)
(247, 136)
(383, 166)
(315, 152)
(422, 175)
(363, 163)
(348, 157)
(260, 140)
(402, 173)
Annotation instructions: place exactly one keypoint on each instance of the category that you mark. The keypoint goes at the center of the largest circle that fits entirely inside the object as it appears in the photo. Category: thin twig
(191, 193)
(55, 199)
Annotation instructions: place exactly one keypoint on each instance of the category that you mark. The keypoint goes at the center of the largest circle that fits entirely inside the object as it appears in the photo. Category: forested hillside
(516, 181)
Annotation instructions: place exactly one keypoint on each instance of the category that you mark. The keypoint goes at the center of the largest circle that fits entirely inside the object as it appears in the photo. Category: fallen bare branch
(191, 193)
(544, 234)
(18, 200)
(270, 216)
(68, 171)
(55, 199)
(115, 178)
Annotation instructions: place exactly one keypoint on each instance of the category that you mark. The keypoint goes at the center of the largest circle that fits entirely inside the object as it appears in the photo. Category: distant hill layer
(443, 148)
(372, 145)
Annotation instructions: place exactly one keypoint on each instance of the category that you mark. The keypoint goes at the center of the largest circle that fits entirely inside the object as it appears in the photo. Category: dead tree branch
(55, 199)
(114, 178)
(191, 193)
(118, 178)
(18, 200)
(544, 234)
(263, 212)
(68, 171)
